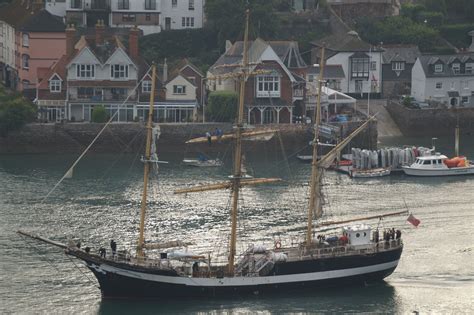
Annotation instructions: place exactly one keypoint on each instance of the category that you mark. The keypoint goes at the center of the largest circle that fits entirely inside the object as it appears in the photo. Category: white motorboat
(439, 165)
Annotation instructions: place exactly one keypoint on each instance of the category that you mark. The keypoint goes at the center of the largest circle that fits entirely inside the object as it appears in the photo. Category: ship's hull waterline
(123, 282)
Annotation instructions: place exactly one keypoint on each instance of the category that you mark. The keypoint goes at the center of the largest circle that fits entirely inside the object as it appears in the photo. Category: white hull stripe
(249, 281)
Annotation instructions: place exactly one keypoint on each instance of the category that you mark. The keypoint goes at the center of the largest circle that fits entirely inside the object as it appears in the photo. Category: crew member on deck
(113, 247)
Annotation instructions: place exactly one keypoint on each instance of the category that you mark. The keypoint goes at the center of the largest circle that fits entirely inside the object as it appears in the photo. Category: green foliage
(199, 45)
(461, 9)
(227, 18)
(397, 30)
(15, 112)
(436, 6)
(99, 114)
(457, 34)
(222, 106)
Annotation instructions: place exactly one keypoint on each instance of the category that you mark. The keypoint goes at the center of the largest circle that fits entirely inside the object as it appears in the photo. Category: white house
(445, 79)
(7, 54)
(361, 62)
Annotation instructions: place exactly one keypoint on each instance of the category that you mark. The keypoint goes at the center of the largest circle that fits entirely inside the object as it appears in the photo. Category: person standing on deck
(113, 247)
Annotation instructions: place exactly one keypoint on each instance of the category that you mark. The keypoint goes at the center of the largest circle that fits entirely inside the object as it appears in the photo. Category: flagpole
(370, 81)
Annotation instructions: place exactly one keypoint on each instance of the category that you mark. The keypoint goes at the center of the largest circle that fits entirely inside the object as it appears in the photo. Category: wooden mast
(147, 162)
(314, 192)
(238, 151)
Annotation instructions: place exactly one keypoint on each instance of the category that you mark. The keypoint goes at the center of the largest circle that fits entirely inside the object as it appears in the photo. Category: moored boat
(439, 165)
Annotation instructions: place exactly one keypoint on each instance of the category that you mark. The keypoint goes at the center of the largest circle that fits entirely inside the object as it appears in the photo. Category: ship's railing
(345, 250)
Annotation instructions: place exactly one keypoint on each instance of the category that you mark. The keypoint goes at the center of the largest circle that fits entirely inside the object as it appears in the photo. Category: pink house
(40, 42)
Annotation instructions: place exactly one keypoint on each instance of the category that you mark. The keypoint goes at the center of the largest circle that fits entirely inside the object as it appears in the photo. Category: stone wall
(130, 137)
(431, 122)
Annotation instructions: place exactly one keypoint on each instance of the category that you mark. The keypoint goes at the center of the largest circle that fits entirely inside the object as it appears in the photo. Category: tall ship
(355, 255)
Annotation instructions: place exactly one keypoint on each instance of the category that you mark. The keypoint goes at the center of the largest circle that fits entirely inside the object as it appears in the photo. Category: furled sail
(227, 185)
(251, 135)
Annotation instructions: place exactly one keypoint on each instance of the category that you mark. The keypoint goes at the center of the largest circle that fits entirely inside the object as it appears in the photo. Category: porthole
(357, 235)
(365, 234)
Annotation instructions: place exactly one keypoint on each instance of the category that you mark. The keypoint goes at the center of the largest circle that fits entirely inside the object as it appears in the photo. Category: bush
(457, 34)
(222, 106)
(15, 112)
(99, 114)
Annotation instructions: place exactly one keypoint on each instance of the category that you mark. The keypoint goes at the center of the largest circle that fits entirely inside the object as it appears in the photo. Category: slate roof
(234, 55)
(43, 21)
(428, 61)
(330, 71)
(407, 53)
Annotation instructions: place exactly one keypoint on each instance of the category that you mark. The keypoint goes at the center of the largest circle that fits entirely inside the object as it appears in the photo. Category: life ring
(278, 244)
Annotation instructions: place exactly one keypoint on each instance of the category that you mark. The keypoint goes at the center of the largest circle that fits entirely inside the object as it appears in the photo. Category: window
(187, 22)
(268, 86)
(119, 71)
(373, 65)
(128, 18)
(85, 71)
(76, 4)
(469, 67)
(456, 68)
(465, 100)
(191, 5)
(453, 85)
(465, 84)
(146, 86)
(147, 17)
(183, 22)
(26, 84)
(359, 84)
(25, 61)
(310, 78)
(174, 3)
(123, 4)
(179, 89)
(439, 85)
(360, 67)
(398, 66)
(55, 85)
(85, 92)
(26, 40)
(438, 68)
(150, 4)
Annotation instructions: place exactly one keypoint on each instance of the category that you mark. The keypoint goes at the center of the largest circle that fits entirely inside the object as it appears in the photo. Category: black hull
(115, 285)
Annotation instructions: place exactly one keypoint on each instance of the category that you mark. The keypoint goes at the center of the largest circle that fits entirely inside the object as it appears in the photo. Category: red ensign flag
(413, 220)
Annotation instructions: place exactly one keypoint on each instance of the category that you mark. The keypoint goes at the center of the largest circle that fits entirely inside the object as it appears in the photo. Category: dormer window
(438, 68)
(119, 71)
(55, 84)
(85, 71)
(398, 66)
(26, 40)
(146, 86)
(456, 68)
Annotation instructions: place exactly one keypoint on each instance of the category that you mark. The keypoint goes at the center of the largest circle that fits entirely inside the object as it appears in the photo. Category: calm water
(101, 202)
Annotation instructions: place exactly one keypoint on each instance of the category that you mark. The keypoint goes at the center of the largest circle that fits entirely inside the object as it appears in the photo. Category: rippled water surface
(101, 203)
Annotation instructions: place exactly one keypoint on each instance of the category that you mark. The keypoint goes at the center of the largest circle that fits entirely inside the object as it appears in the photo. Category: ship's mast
(314, 184)
(147, 162)
(238, 151)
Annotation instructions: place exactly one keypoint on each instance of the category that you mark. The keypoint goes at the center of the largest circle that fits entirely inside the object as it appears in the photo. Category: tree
(227, 17)
(222, 106)
(99, 114)
(15, 112)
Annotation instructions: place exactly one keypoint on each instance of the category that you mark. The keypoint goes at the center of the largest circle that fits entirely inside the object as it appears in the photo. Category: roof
(407, 53)
(17, 12)
(330, 71)
(428, 61)
(287, 52)
(43, 21)
(344, 42)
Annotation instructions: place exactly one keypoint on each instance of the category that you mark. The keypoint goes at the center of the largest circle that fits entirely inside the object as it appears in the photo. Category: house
(151, 16)
(362, 63)
(98, 69)
(397, 62)
(12, 17)
(277, 88)
(444, 79)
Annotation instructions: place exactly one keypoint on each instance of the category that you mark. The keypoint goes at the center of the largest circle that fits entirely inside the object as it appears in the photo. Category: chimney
(228, 45)
(165, 71)
(99, 32)
(70, 35)
(471, 48)
(133, 42)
